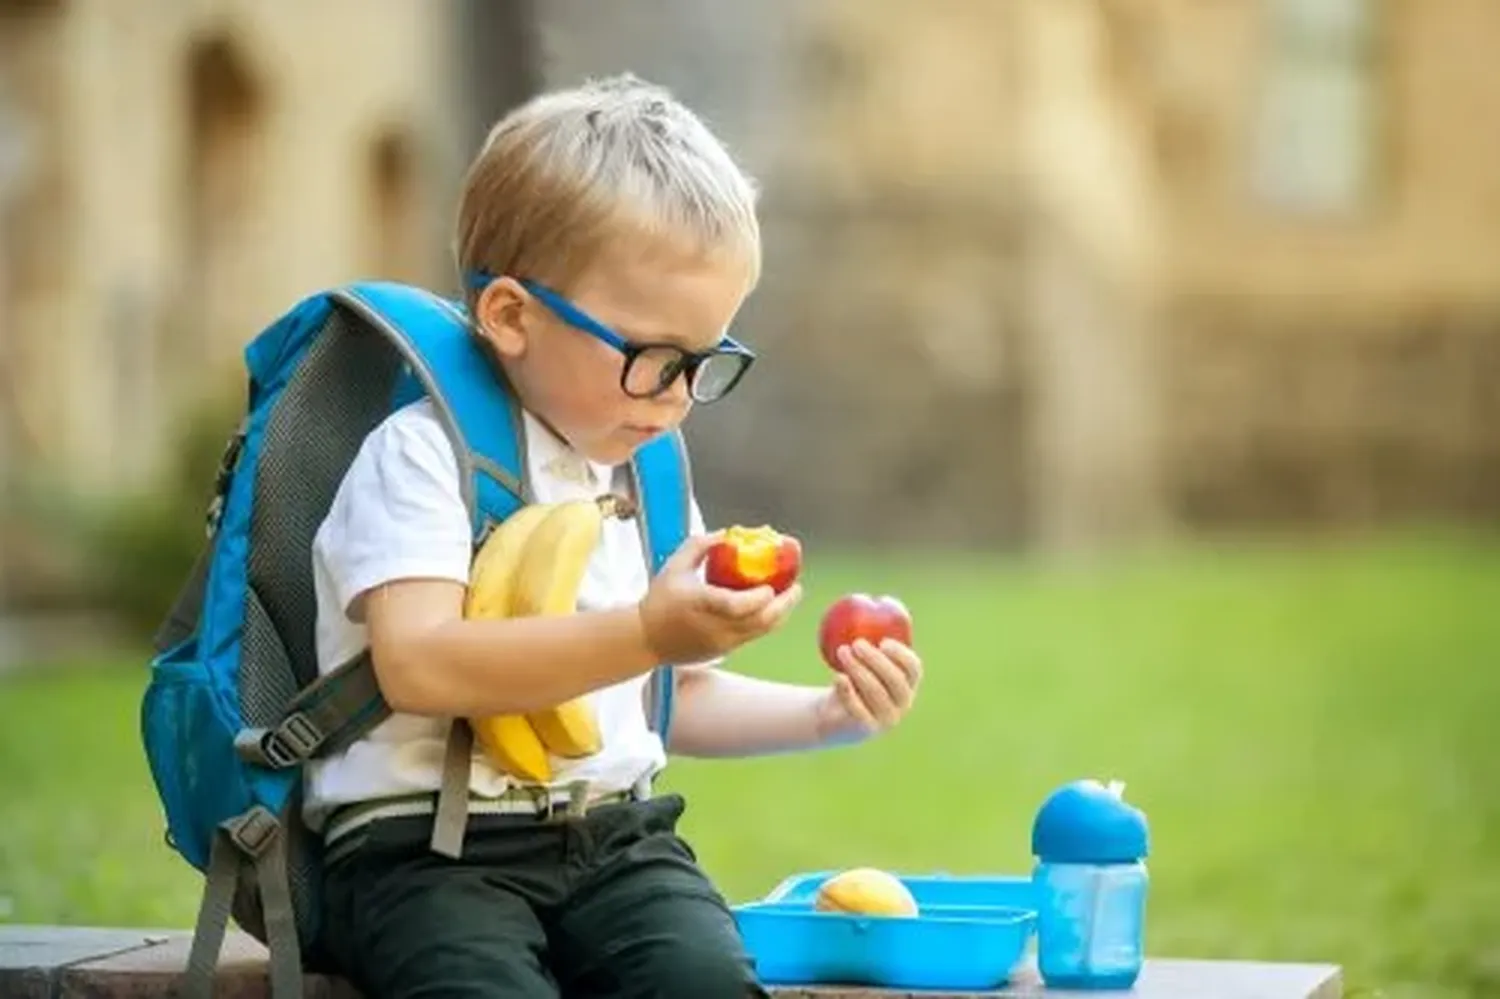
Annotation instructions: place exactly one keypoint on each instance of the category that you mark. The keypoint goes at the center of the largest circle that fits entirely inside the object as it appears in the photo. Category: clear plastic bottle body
(1090, 924)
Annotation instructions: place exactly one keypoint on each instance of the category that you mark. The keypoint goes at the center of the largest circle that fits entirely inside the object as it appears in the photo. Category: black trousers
(609, 904)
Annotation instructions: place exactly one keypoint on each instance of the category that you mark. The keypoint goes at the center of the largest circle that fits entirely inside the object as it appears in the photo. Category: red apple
(860, 615)
(754, 556)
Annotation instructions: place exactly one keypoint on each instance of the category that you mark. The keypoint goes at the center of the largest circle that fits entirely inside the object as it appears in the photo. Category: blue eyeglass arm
(574, 316)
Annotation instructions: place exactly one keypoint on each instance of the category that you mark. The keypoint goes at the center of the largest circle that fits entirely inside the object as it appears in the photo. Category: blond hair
(571, 172)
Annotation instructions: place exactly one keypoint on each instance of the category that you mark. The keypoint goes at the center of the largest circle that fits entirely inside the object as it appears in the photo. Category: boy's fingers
(691, 552)
(890, 673)
(872, 691)
(777, 610)
(854, 706)
(736, 604)
(904, 657)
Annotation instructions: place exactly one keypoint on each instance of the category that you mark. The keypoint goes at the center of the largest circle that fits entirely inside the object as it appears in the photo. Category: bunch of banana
(532, 564)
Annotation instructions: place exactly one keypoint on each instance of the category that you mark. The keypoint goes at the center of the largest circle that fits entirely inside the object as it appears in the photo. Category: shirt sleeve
(398, 513)
(695, 517)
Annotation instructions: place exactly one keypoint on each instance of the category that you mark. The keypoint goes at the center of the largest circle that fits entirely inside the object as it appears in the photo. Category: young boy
(607, 241)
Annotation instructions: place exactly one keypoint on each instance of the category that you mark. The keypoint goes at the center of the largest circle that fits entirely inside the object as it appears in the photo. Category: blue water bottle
(1090, 881)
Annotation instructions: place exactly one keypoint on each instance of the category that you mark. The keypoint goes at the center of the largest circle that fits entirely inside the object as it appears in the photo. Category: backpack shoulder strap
(663, 481)
(447, 364)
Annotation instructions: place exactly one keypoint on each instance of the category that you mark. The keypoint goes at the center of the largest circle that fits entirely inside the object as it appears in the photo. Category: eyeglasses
(649, 368)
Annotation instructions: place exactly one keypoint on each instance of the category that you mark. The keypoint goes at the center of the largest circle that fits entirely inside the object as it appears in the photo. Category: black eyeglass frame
(687, 363)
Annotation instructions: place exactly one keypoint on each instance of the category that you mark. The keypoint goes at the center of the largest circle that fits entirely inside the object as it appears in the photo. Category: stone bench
(50, 962)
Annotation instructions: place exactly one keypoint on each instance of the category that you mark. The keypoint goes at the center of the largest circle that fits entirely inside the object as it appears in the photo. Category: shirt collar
(555, 457)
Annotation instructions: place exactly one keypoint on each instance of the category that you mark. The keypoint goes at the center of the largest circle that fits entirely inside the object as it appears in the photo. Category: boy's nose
(677, 394)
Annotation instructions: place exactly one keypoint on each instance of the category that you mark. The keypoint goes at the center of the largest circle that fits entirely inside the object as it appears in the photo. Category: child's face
(571, 379)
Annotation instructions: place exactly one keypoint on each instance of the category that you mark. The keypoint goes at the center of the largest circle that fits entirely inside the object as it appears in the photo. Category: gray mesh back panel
(312, 435)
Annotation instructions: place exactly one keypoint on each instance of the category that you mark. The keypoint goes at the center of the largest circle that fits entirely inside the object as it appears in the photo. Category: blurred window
(1317, 109)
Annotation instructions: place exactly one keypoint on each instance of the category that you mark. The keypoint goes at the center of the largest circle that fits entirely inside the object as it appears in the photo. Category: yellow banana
(548, 578)
(557, 553)
(568, 729)
(508, 740)
(514, 746)
(492, 576)
(533, 563)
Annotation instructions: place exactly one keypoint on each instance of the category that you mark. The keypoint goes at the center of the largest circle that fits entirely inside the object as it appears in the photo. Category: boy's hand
(873, 693)
(686, 620)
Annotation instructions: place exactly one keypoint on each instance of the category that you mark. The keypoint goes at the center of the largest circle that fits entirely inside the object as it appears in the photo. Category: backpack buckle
(293, 741)
(253, 831)
(296, 739)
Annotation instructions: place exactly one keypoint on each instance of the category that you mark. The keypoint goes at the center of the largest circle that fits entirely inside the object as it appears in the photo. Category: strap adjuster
(296, 739)
(253, 831)
(290, 743)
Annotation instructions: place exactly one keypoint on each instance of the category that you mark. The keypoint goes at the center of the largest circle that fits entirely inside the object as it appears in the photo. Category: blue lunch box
(970, 933)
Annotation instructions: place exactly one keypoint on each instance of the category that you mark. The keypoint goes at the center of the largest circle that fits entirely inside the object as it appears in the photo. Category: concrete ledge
(53, 962)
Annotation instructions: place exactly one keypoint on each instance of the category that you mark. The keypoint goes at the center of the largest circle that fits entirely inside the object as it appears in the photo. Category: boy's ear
(499, 314)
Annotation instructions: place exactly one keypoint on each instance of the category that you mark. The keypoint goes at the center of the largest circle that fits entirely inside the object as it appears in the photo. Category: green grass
(1310, 732)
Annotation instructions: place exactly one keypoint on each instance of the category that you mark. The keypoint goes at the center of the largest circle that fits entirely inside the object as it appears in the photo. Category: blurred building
(1039, 272)
(1330, 332)
(1069, 273)
(184, 170)
(175, 173)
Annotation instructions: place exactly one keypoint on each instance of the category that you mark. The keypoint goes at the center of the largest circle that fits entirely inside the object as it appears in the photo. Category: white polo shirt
(398, 513)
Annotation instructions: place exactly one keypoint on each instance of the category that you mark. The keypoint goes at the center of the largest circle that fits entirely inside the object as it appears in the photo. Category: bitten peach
(748, 557)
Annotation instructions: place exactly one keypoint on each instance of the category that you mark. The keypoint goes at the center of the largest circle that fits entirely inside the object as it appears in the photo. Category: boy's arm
(429, 660)
(720, 713)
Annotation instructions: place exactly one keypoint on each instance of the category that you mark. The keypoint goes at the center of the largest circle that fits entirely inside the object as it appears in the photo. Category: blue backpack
(235, 706)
